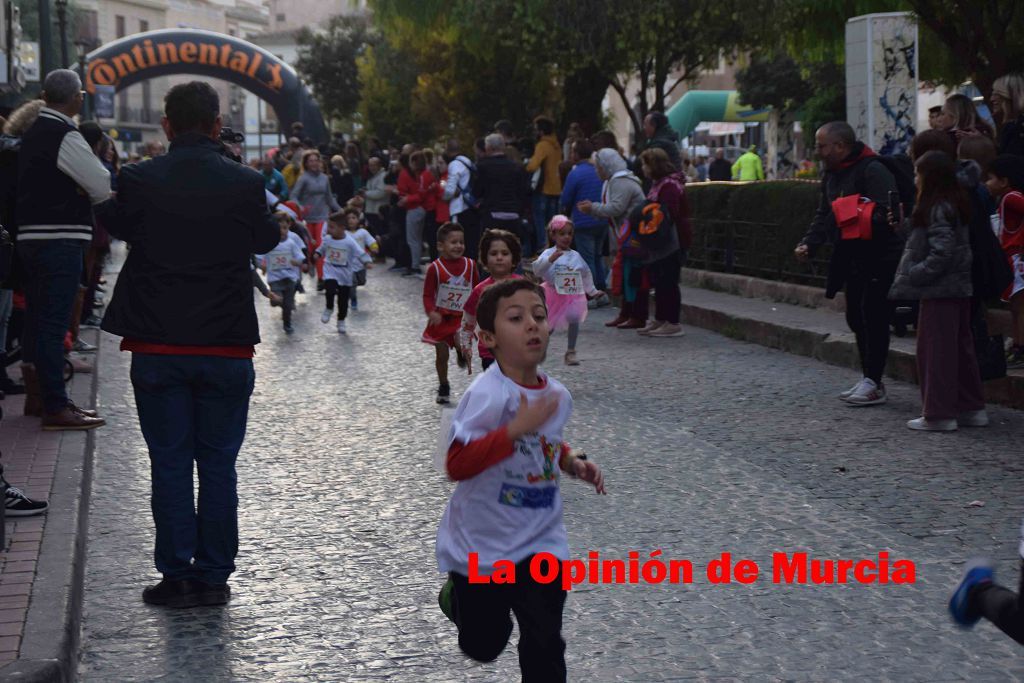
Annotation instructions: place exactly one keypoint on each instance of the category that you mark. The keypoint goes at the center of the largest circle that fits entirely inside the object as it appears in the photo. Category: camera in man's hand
(227, 138)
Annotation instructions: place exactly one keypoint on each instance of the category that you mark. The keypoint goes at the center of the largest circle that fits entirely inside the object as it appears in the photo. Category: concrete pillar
(881, 80)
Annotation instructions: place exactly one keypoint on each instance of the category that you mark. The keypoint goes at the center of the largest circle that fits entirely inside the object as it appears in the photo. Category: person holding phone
(864, 266)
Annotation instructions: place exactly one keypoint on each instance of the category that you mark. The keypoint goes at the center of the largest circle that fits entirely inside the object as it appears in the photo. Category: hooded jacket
(667, 139)
(860, 173)
(622, 191)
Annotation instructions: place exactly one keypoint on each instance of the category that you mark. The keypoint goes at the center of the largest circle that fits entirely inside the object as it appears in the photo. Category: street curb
(52, 634)
(834, 349)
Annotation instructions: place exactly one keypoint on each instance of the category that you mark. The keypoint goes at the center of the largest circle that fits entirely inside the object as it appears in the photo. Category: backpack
(651, 228)
(902, 169)
(467, 192)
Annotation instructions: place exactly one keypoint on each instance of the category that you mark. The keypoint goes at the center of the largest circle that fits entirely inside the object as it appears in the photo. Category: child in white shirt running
(355, 227)
(281, 265)
(568, 283)
(506, 450)
(341, 254)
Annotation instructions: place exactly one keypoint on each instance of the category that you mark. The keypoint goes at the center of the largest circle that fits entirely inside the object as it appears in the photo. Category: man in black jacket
(503, 187)
(865, 267)
(183, 304)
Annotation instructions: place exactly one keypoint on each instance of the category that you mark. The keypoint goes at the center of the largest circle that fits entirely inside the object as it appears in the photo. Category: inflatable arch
(205, 53)
(710, 105)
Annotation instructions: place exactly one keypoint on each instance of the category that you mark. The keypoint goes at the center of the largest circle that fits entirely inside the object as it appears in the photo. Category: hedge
(752, 229)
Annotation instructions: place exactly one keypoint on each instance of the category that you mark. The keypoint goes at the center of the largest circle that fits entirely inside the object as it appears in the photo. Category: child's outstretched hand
(275, 298)
(530, 416)
(433, 318)
(590, 473)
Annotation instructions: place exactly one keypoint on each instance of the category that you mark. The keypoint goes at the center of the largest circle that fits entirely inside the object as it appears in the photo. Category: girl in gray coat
(936, 270)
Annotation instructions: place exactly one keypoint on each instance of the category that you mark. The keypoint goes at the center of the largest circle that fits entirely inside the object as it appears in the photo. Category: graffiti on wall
(894, 80)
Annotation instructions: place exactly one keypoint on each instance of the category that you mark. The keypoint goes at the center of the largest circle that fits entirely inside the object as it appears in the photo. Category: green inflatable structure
(710, 105)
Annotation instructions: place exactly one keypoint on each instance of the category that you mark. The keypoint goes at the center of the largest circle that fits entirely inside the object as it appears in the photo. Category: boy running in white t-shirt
(281, 264)
(506, 450)
(341, 254)
(356, 229)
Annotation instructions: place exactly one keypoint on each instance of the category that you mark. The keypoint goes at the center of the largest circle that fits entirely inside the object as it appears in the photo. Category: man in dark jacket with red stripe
(183, 304)
(865, 267)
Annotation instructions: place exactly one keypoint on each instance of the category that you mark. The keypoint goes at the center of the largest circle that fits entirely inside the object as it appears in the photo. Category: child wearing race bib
(1006, 183)
(506, 450)
(499, 255)
(281, 266)
(568, 283)
(356, 229)
(447, 285)
(341, 255)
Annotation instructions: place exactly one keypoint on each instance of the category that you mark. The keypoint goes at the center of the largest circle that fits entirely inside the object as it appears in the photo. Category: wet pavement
(708, 445)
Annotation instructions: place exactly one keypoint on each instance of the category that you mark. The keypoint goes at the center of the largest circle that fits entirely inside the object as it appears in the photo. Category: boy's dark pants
(342, 292)
(1001, 606)
(286, 288)
(482, 615)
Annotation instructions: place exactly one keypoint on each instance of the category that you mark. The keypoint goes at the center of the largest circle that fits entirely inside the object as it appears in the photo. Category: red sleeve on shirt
(473, 300)
(430, 289)
(468, 460)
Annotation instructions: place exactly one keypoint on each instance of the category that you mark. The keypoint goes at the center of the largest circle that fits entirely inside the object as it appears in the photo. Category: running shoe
(978, 571)
(17, 504)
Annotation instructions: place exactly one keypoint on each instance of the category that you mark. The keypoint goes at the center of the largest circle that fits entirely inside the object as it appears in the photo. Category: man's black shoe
(11, 388)
(212, 593)
(172, 593)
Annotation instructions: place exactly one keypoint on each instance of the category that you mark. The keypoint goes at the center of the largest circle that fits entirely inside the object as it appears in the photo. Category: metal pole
(259, 123)
(62, 26)
(87, 96)
(45, 38)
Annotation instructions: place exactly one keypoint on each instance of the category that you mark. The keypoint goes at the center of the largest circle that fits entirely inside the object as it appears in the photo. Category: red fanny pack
(853, 216)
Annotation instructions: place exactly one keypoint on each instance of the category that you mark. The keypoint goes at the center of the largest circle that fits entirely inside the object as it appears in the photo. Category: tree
(328, 62)
(664, 43)
(969, 39)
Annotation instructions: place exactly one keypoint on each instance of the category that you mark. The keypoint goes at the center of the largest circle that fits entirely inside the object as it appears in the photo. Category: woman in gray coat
(936, 270)
(621, 194)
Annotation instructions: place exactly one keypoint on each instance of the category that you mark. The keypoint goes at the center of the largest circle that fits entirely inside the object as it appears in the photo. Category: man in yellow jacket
(748, 167)
(547, 155)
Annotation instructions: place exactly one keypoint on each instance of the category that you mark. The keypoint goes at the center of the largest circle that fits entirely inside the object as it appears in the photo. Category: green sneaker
(446, 599)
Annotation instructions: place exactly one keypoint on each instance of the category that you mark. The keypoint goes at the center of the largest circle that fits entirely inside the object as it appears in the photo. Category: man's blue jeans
(544, 207)
(588, 244)
(53, 272)
(193, 408)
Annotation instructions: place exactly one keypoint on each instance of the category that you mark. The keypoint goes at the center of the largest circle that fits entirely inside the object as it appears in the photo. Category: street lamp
(62, 24)
(82, 51)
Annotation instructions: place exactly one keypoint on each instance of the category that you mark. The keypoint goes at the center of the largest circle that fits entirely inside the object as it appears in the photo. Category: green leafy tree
(328, 62)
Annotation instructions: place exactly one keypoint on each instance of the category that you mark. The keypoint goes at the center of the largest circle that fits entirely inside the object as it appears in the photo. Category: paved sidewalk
(757, 311)
(39, 602)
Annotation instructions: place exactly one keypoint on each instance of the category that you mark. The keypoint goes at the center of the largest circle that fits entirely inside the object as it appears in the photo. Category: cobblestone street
(708, 445)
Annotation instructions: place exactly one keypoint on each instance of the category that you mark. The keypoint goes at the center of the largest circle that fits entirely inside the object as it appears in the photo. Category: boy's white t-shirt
(569, 275)
(365, 240)
(513, 509)
(278, 261)
(341, 257)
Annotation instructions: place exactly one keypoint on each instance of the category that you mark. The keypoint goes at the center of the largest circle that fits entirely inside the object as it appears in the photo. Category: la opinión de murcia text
(786, 568)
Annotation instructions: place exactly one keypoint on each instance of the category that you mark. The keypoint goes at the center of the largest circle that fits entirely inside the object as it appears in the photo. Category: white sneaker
(867, 394)
(325, 317)
(341, 326)
(852, 390)
(650, 327)
(923, 425)
(974, 418)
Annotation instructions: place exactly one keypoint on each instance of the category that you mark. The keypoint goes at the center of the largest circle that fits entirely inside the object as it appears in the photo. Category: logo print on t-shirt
(550, 452)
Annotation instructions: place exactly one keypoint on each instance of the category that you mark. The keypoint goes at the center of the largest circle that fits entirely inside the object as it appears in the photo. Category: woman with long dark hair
(936, 270)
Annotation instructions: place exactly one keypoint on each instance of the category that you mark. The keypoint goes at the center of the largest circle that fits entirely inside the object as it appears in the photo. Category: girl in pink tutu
(567, 283)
